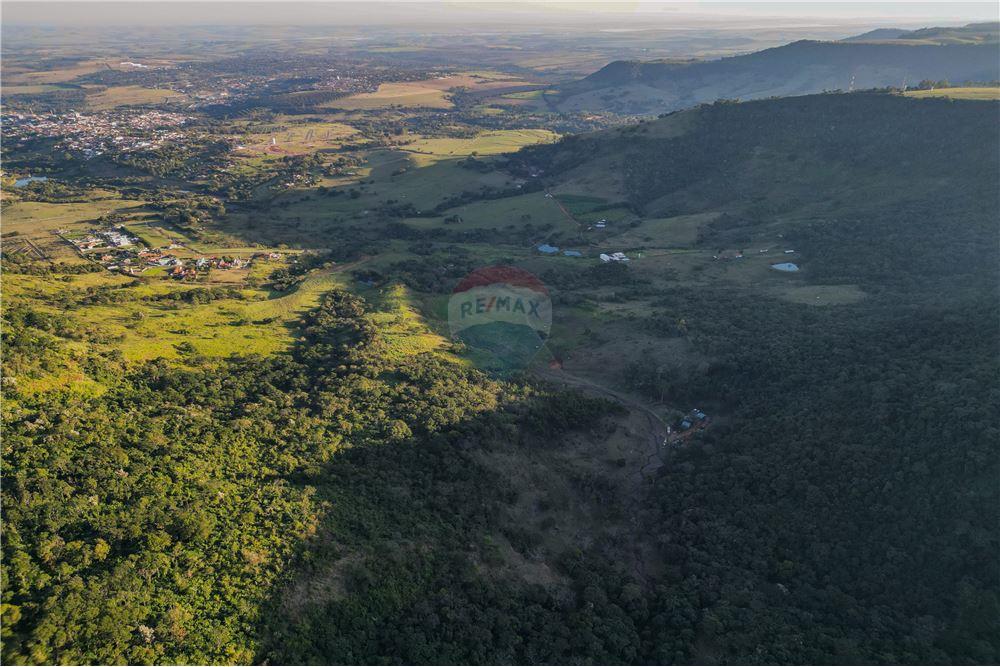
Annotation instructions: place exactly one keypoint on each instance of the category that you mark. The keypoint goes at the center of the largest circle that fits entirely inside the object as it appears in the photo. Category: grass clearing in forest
(492, 142)
(400, 322)
(509, 213)
(678, 231)
(144, 324)
(288, 306)
(959, 93)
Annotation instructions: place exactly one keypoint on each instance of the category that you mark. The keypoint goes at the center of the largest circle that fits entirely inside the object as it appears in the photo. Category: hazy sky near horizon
(650, 14)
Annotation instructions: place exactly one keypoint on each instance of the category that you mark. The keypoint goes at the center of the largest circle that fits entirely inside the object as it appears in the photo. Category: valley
(241, 424)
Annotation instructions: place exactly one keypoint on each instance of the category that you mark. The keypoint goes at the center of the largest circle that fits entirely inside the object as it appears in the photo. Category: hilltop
(732, 154)
(973, 33)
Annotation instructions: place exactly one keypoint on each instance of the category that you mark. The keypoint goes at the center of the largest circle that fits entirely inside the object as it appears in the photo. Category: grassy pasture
(289, 306)
(143, 329)
(294, 138)
(117, 96)
(398, 317)
(306, 218)
(48, 76)
(71, 378)
(37, 222)
(150, 234)
(39, 217)
(423, 185)
(35, 89)
(524, 95)
(432, 149)
(579, 204)
(429, 93)
(678, 231)
(508, 213)
(983, 93)
(613, 216)
(423, 174)
(412, 94)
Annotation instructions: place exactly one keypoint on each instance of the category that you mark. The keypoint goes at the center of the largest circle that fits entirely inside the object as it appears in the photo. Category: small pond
(785, 266)
(21, 182)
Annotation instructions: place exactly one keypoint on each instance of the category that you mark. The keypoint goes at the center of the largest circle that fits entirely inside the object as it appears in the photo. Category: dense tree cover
(53, 191)
(188, 161)
(857, 466)
(22, 263)
(191, 214)
(770, 153)
(842, 507)
(151, 522)
(341, 505)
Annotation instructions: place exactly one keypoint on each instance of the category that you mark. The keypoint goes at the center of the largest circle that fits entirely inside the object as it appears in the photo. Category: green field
(291, 137)
(407, 94)
(142, 326)
(430, 150)
(426, 94)
(404, 328)
(116, 96)
(39, 222)
(983, 93)
(422, 174)
(679, 231)
(509, 213)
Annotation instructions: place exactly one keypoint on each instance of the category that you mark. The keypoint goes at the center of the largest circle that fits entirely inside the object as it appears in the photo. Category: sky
(452, 12)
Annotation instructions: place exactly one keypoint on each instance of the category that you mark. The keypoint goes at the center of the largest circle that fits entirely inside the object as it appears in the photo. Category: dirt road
(656, 428)
(655, 436)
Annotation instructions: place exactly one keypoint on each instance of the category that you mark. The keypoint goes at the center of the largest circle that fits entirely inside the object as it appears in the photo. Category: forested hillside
(357, 499)
(846, 506)
(162, 520)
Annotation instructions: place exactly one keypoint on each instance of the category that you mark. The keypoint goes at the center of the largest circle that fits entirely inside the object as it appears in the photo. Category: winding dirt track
(656, 427)
(564, 210)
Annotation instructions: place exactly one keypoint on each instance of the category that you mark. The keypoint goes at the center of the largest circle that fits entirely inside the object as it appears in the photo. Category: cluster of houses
(188, 268)
(93, 134)
(682, 430)
(547, 249)
(117, 250)
(116, 237)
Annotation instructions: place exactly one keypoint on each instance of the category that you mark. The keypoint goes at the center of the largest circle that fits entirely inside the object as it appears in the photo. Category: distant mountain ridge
(877, 35)
(973, 33)
(875, 59)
